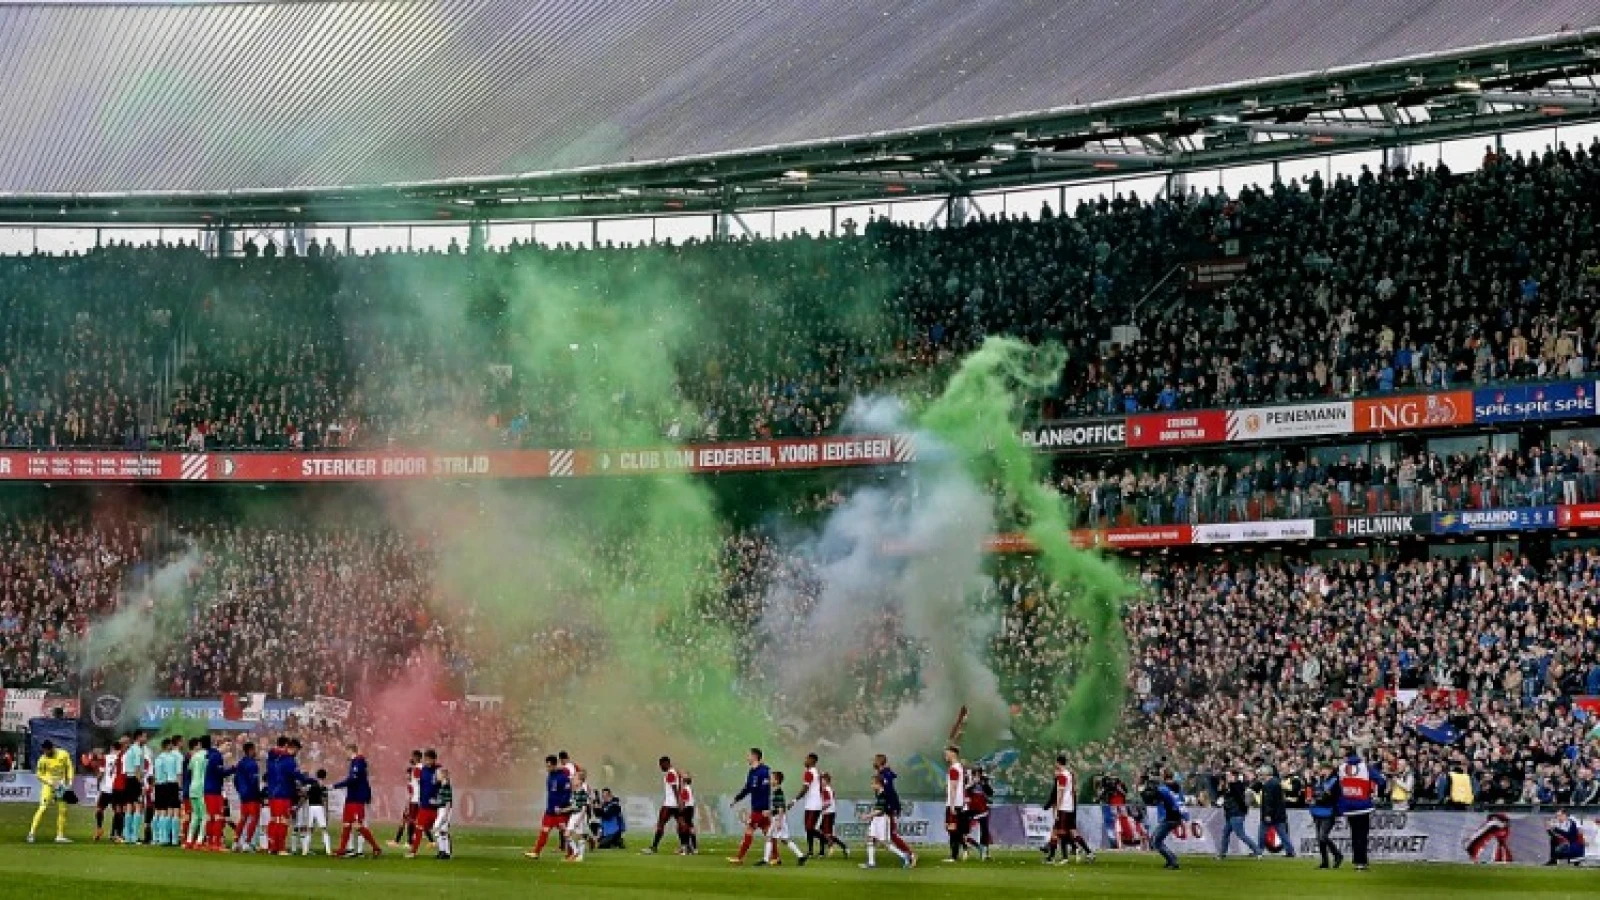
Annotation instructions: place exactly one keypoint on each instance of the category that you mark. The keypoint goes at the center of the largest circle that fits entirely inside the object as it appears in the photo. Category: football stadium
(576, 448)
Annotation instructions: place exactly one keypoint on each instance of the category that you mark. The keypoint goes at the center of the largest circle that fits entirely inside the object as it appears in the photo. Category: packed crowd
(225, 608)
(1437, 663)
(56, 575)
(299, 611)
(82, 341)
(1235, 660)
(1389, 281)
(1284, 484)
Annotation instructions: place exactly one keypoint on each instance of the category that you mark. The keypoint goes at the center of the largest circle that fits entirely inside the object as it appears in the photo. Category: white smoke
(911, 553)
(147, 623)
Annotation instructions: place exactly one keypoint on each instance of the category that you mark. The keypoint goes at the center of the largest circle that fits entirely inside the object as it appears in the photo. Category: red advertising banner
(754, 456)
(388, 465)
(419, 465)
(1173, 429)
(1582, 515)
(90, 466)
(1413, 411)
(1111, 538)
(1451, 697)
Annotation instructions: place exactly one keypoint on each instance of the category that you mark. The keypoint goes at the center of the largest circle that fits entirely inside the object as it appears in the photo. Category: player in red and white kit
(979, 792)
(829, 818)
(1064, 833)
(402, 835)
(671, 805)
(104, 766)
(956, 823)
(686, 827)
(566, 763)
(810, 800)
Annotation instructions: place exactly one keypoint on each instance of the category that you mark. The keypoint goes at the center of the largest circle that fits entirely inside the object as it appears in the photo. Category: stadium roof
(227, 97)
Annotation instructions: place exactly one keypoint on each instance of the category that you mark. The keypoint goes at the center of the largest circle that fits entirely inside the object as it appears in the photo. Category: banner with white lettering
(1088, 434)
(409, 465)
(1254, 532)
(1472, 521)
(20, 706)
(1382, 526)
(214, 714)
(328, 708)
(19, 787)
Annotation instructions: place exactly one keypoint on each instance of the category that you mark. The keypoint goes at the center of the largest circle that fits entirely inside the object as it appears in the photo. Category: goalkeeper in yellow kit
(54, 770)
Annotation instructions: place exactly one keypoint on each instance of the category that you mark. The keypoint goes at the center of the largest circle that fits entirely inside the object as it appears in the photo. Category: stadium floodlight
(1544, 101)
(1319, 130)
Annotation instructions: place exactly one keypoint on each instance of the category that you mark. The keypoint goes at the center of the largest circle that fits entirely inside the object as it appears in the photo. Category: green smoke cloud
(632, 560)
(979, 417)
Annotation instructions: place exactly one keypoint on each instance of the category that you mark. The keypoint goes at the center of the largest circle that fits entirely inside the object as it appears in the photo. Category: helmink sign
(1382, 526)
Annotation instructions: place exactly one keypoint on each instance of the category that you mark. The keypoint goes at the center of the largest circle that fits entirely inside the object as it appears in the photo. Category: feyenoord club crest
(106, 711)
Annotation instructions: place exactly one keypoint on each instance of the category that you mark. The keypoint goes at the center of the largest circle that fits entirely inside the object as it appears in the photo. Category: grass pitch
(489, 865)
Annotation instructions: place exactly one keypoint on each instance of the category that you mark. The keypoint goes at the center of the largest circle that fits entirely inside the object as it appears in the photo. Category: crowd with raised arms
(1385, 281)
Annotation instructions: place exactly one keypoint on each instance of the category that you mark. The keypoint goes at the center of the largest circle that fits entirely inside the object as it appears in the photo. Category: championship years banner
(422, 465)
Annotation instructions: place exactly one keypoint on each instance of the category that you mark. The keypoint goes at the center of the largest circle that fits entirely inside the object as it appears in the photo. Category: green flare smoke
(670, 658)
(978, 416)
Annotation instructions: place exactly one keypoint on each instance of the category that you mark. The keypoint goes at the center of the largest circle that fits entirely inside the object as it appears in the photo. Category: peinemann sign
(1298, 420)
